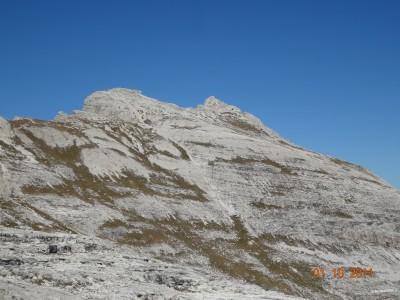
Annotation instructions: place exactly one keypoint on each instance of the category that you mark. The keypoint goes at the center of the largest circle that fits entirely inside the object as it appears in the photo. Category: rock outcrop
(219, 206)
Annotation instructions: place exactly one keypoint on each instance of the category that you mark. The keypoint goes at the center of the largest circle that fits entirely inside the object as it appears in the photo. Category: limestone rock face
(155, 201)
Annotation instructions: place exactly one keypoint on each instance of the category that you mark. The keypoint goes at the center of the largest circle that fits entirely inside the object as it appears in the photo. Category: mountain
(141, 199)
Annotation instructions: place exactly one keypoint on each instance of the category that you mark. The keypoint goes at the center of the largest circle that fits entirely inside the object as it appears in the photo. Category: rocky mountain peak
(133, 106)
(184, 203)
(128, 105)
(216, 104)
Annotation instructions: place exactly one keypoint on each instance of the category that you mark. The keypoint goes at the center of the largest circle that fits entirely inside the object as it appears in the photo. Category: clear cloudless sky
(323, 74)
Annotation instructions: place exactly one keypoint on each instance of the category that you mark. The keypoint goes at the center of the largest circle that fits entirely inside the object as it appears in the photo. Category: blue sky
(324, 74)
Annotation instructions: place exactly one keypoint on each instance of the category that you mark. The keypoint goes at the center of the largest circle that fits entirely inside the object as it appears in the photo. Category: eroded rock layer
(185, 203)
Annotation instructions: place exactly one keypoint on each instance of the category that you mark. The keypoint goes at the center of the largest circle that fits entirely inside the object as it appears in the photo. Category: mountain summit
(134, 198)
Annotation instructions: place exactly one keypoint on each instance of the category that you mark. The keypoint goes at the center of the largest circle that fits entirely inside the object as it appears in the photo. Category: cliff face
(160, 201)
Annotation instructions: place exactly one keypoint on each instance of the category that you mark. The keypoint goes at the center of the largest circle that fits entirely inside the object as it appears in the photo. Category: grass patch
(282, 142)
(114, 223)
(60, 189)
(262, 205)
(359, 168)
(184, 127)
(367, 180)
(144, 237)
(336, 213)
(56, 225)
(204, 144)
(174, 231)
(266, 161)
(237, 123)
(183, 152)
(9, 223)
(11, 151)
(320, 171)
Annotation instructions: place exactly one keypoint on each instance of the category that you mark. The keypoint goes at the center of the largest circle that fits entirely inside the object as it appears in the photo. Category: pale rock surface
(155, 201)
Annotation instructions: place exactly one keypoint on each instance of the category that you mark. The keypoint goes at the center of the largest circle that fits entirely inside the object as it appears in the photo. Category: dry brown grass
(320, 171)
(144, 237)
(347, 165)
(114, 223)
(65, 127)
(184, 127)
(175, 231)
(242, 124)
(282, 142)
(266, 161)
(367, 180)
(262, 205)
(183, 152)
(204, 144)
(55, 224)
(66, 189)
(9, 223)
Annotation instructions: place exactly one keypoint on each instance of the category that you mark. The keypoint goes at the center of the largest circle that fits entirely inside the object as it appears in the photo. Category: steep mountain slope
(218, 205)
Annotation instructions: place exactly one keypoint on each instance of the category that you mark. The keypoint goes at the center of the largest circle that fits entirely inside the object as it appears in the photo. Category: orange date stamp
(342, 273)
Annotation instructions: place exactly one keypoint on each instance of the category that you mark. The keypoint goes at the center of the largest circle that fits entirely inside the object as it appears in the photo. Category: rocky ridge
(219, 205)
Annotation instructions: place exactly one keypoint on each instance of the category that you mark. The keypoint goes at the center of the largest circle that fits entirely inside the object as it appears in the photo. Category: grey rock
(206, 202)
